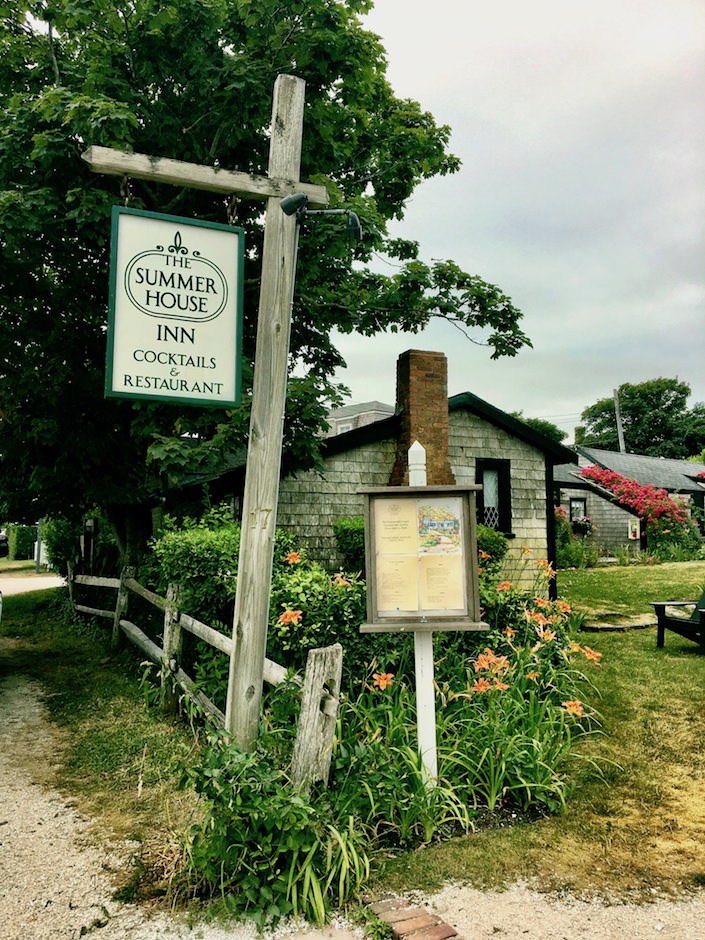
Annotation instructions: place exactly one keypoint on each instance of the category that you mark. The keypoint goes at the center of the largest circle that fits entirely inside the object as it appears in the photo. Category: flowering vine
(651, 503)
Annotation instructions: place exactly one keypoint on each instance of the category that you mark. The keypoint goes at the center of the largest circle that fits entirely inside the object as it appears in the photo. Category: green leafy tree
(655, 418)
(547, 428)
(192, 80)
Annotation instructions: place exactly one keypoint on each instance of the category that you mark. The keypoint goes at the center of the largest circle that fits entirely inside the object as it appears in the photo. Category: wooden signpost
(270, 374)
(421, 562)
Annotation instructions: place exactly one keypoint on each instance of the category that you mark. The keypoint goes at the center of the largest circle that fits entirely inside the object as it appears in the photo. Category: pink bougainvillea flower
(504, 585)
(574, 708)
(290, 616)
(382, 680)
(293, 558)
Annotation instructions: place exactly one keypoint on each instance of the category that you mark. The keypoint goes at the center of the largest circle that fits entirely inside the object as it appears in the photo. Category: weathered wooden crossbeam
(179, 173)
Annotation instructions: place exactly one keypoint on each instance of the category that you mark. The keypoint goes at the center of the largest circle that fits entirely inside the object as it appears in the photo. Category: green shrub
(263, 846)
(492, 547)
(21, 539)
(350, 540)
(61, 538)
(202, 557)
(573, 551)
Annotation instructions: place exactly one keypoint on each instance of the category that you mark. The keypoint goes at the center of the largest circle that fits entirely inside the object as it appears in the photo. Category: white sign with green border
(175, 317)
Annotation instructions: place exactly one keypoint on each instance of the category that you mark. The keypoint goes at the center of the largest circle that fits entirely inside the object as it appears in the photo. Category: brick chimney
(422, 403)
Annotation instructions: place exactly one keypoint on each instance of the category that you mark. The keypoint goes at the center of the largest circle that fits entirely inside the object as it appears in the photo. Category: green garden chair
(692, 628)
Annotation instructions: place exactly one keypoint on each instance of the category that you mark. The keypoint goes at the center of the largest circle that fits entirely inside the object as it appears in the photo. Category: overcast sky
(581, 129)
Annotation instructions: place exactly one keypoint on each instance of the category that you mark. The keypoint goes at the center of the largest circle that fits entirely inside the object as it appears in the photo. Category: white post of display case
(423, 654)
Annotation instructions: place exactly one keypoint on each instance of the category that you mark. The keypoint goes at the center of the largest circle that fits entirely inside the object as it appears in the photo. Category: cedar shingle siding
(309, 504)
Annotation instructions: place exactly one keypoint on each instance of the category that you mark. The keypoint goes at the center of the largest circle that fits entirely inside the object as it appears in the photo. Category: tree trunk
(132, 526)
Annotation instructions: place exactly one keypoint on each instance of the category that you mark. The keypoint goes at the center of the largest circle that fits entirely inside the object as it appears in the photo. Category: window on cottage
(494, 507)
(578, 509)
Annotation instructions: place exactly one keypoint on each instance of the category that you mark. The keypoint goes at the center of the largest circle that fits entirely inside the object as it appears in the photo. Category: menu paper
(419, 556)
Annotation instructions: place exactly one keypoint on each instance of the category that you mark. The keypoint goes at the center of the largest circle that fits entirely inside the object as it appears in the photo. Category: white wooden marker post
(423, 654)
(270, 375)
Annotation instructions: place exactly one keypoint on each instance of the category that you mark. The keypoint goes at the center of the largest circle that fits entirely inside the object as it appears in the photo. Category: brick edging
(412, 922)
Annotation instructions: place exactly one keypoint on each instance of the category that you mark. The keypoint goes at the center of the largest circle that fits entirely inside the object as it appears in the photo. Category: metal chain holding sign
(231, 212)
(125, 190)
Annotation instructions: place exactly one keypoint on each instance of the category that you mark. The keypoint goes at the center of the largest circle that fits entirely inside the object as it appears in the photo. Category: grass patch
(628, 591)
(17, 569)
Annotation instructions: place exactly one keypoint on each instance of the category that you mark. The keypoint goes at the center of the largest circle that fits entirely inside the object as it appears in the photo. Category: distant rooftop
(676, 476)
(350, 417)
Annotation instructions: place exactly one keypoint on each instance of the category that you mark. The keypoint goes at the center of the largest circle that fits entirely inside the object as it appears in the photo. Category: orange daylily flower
(490, 662)
(535, 616)
(592, 655)
(341, 581)
(484, 555)
(293, 558)
(509, 632)
(382, 680)
(545, 634)
(546, 567)
(290, 616)
(574, 708)
(534, 674)
(480, 685)
(504, 585)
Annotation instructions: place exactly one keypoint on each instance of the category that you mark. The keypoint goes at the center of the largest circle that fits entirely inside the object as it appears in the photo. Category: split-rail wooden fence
(320, 693)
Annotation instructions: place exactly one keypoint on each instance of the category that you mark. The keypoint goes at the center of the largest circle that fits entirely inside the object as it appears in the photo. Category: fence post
(319, 712)
(121, 607)
(69, 579)
(172, 642)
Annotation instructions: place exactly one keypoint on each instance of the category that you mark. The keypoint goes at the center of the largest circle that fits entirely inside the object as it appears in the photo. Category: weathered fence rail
(321, 683)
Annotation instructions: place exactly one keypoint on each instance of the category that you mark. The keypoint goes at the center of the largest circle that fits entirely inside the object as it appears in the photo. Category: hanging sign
(175, 316)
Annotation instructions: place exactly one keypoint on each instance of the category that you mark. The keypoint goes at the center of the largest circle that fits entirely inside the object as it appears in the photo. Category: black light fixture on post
(296, 204)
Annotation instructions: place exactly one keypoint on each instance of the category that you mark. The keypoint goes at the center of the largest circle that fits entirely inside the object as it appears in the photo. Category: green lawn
(628, 591)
